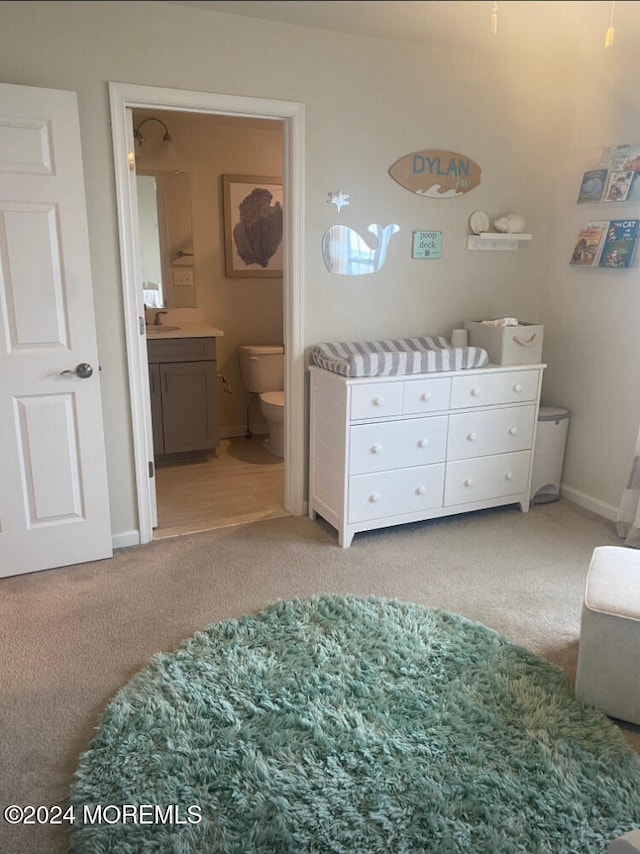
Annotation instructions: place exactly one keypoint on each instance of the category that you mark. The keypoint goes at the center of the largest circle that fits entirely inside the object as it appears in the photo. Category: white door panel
(53, 486)
(31, 276)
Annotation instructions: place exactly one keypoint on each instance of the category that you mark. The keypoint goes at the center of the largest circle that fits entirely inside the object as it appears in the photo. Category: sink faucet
(157, 321)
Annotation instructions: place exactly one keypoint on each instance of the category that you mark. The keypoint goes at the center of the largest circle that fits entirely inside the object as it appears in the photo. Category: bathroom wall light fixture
(137, 132)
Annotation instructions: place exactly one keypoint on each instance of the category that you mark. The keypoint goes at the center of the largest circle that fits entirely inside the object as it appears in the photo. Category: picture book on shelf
(589, 242)
(620, 158)
(620, 243)
(593, 183)
(618, 186)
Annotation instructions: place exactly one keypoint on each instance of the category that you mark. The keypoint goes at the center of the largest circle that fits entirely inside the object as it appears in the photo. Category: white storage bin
(548, 457)
(508, 345)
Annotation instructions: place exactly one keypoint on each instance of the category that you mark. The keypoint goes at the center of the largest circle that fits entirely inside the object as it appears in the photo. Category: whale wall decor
(347, 253)
(437, 174)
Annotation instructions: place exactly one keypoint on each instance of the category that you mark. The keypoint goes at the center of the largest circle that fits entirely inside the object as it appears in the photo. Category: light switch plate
(183, 278)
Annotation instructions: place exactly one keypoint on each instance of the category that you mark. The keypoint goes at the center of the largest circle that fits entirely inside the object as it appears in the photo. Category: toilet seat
(273, 398)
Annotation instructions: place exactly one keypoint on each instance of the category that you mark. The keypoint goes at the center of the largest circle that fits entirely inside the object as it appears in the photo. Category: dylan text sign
(438, 174)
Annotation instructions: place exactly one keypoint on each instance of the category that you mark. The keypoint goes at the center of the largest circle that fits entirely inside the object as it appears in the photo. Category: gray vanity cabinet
(182, 381)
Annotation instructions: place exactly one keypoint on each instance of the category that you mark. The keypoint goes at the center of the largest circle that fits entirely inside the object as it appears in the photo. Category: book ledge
(496, 240)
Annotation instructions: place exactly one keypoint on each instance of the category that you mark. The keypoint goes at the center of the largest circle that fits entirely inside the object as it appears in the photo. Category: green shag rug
(344, 724)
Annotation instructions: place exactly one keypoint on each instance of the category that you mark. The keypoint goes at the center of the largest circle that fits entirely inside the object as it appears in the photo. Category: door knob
(83, 370)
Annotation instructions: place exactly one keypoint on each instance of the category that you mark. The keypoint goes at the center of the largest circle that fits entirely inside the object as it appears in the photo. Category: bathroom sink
(155, 330)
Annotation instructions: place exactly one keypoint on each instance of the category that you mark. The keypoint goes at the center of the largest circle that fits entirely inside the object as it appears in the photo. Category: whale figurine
(346, 253)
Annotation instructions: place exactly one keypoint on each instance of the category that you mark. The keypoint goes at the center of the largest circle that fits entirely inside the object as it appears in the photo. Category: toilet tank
(262, 367)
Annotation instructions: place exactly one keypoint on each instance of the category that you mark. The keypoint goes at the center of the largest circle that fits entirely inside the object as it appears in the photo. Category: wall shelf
(496, 241)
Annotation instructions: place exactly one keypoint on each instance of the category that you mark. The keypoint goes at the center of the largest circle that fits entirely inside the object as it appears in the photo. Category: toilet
(262, 372)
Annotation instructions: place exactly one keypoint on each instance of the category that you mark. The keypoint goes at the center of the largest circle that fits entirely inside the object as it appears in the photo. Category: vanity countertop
(185, 330)
(179, 323)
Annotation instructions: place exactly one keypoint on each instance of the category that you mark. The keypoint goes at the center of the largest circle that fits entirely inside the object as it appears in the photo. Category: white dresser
(389, 450)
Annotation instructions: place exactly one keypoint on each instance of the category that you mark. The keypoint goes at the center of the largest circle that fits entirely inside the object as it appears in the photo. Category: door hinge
(141, 325)
(150, 468)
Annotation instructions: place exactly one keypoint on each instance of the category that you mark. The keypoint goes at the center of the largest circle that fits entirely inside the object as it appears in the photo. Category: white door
(54, 507)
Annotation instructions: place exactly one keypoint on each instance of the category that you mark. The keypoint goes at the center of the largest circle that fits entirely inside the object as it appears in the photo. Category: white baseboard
(126, 538)
(589, 503)
(608, 511)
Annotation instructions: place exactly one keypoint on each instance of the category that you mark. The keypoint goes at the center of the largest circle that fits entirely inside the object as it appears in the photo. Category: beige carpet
(72, 636)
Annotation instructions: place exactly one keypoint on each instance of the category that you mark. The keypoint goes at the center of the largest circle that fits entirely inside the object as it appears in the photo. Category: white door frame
(124, 96)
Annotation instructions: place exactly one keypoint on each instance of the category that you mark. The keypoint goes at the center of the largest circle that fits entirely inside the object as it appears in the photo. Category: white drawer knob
(422, 443)
(375, 496)
(376, 449)
(517, 387)
(468, 481)
(378, 401)
(513, 431)
(509, 475)
(426, 395)
(420, 490)
(475, 392)
(472, 436)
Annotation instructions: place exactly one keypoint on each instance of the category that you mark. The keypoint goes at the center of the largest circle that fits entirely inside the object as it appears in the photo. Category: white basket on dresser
(389, 450)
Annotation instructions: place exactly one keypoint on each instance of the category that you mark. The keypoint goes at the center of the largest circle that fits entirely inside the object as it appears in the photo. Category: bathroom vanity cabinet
(388, 450)
(182, 381)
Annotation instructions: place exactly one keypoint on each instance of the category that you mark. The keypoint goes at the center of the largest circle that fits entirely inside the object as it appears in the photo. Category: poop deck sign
(437, 174)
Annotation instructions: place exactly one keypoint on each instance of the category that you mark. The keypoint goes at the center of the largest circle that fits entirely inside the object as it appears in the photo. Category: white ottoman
(608, 675)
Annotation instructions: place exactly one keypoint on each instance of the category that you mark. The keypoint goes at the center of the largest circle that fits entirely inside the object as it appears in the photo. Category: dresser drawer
(376, 400)
(493, 431)
(493, 389)
(426, 395)
(486, 477)
(392, 493)
(397, 444)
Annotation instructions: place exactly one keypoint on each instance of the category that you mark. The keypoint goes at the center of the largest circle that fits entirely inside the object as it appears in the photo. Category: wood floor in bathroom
(243, 483)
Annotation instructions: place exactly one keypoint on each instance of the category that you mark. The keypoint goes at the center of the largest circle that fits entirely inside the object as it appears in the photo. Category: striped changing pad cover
(396, 356)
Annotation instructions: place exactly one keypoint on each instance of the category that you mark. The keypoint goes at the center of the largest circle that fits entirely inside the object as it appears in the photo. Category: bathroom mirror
(166, 242)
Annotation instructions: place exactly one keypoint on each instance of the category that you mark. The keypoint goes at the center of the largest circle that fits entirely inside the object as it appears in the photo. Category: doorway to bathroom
(181, 158)
(249, 482)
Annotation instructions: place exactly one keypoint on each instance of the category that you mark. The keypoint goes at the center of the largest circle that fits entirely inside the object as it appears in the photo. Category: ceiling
(542, 27)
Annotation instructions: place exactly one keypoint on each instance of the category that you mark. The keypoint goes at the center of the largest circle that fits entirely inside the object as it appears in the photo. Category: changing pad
(396, 356)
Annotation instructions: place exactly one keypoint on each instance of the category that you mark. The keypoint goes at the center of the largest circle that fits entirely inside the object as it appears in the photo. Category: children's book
(620, 243)
(593, 184)
(589, 243)
(618, 186)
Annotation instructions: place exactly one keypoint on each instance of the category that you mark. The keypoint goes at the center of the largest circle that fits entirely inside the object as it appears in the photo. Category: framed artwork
(252, 226)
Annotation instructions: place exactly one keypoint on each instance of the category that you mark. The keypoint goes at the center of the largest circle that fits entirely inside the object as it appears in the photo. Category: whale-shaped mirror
(347, 253)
